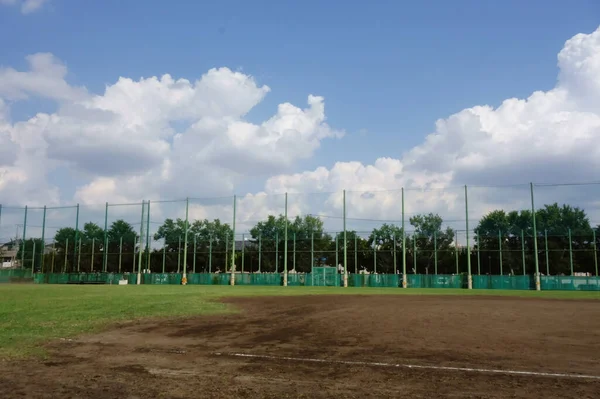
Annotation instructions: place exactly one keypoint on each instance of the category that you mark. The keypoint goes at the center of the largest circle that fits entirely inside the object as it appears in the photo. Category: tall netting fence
(568, 219)
(316, 221)
(428, 237)
(210, 239)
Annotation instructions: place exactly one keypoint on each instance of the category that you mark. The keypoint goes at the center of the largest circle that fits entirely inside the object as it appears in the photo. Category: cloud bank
(165, 137)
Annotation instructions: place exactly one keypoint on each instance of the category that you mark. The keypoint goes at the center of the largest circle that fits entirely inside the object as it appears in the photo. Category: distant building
(8, 253)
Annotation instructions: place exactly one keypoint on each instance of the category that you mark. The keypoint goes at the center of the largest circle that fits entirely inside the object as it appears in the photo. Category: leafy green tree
(91, 231)
(213, 241)
(271, 233)
(172, 231)
(121, 229)
(553, 220)
(429, 234)
(382, 240)
(61, 236)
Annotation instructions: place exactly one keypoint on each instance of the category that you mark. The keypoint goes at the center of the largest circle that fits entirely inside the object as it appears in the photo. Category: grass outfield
(33, 314)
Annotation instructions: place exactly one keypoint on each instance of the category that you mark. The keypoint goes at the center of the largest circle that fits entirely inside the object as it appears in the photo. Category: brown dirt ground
(176, 358)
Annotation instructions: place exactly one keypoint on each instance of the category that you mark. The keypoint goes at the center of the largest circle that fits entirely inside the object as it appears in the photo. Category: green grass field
(33, 314)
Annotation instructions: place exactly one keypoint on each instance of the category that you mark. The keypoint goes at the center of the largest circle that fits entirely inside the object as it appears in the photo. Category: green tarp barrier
(324, 277)
(570, 283)
(320, 278)
(436, 281)
(259, 279)
(296, 280)
(504, 282)
(15, 276)
(373, 280)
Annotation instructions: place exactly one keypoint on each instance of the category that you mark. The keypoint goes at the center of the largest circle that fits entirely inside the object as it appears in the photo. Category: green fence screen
(15, 276)
(326, 276)
(436, 281)
(504, 282)
(374, 280)
(568, 283)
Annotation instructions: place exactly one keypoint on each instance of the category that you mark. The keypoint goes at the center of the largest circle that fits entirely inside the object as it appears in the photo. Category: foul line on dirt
(413, 366)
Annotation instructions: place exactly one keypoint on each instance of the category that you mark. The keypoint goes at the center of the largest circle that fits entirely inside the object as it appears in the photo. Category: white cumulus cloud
(550, 136)
(165, 137)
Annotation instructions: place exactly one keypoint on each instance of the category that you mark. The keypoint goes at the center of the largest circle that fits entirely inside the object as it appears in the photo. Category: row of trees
(503, 242)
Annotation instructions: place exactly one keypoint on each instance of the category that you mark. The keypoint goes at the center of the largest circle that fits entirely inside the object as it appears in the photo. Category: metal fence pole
(105, 254)
(435, 252)
(538, 286)
(209, 255)
(164, 260)
(78, 255)
(312, 252)
(345, 246)
(469, 276)
(194, 258)
(66, 252)
(547, 257)
(233, 244)
(77, 238)
(43, 240)
(294, 259)
(139, 271)
(285, 243)
(595, 251)
(415, 252)
(374, 254)
(148, 248)
(500, 249)
(404, 279)
(456, 250)
(259, 252)
(523, 251)
(276, 252)
(570, 252)
(23, 240)
(395, 267)
(185, 242)
(92, 260)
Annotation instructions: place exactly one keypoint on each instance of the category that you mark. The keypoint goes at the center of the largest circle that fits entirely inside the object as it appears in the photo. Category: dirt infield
(194, 358)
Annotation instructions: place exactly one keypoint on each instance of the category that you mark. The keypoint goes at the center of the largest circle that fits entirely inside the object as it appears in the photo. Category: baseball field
(296, 342)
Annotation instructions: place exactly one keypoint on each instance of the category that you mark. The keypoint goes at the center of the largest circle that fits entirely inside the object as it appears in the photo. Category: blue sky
(388, 70)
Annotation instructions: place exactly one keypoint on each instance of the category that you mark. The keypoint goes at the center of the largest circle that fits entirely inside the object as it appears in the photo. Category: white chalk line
(414, 366)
